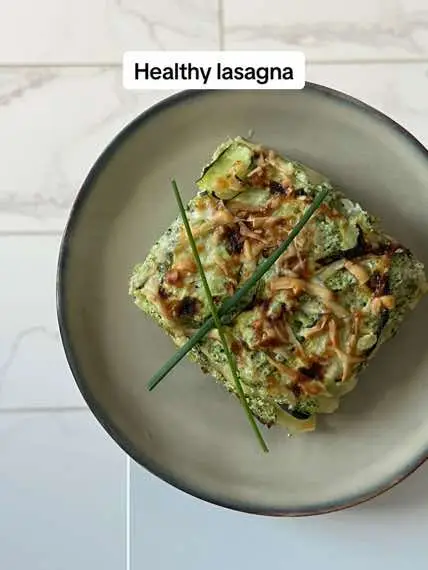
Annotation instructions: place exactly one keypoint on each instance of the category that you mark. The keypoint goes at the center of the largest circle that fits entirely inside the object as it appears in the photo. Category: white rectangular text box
(213, 70)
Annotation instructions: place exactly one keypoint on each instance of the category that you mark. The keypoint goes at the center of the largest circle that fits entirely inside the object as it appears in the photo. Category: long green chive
(230, 303)
(230, 358)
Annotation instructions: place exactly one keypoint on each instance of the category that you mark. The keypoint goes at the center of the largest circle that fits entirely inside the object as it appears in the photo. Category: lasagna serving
(315, 319)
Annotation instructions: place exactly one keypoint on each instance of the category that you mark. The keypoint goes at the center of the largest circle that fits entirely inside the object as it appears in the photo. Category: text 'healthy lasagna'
(315, 318)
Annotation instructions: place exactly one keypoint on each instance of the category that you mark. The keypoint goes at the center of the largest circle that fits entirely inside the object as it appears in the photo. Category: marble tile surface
(99, 31)
(61, 102)
(62, 493)
(399, 91)
(54, 123)
(330, 30)
(33, 369)
(388, 532)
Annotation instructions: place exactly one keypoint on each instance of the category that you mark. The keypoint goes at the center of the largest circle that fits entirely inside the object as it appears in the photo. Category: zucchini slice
(223, 176)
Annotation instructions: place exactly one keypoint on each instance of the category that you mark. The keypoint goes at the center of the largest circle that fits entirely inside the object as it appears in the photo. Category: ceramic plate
(189, 431)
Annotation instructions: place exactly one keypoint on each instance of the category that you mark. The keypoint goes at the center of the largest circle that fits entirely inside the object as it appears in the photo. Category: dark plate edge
(91, 401)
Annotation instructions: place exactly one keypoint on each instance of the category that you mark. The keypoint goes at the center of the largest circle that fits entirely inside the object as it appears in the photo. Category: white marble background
(62, 480)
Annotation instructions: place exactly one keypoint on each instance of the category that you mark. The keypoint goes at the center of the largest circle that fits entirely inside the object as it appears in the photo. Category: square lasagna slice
(315, 319)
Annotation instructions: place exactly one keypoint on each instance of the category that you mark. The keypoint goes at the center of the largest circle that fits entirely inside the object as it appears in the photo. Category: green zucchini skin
(230, 165)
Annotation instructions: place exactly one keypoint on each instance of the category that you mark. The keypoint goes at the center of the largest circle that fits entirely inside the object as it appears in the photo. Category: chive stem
(231, 302)
(219, 326)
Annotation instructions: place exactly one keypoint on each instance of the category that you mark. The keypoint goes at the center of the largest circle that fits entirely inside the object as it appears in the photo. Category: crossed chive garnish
(218, 324)
(215, 320)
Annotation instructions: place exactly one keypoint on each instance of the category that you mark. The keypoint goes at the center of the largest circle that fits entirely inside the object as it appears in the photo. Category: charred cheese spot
(378, 283)
(276, 187)
(187, 308)
(234, 242)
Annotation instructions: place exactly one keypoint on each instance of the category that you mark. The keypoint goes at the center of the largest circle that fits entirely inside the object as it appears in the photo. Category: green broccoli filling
(307, 407)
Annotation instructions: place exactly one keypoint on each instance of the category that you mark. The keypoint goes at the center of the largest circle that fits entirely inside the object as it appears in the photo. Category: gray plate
(189, 431)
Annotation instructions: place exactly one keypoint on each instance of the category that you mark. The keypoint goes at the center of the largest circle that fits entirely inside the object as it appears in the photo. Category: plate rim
(101, 414)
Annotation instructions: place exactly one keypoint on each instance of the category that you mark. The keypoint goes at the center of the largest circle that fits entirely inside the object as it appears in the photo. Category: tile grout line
(43, 410)
(373, 61)
(220, 14)
(30, 233)
(61, 65)
(118, 65)
(128, 515)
